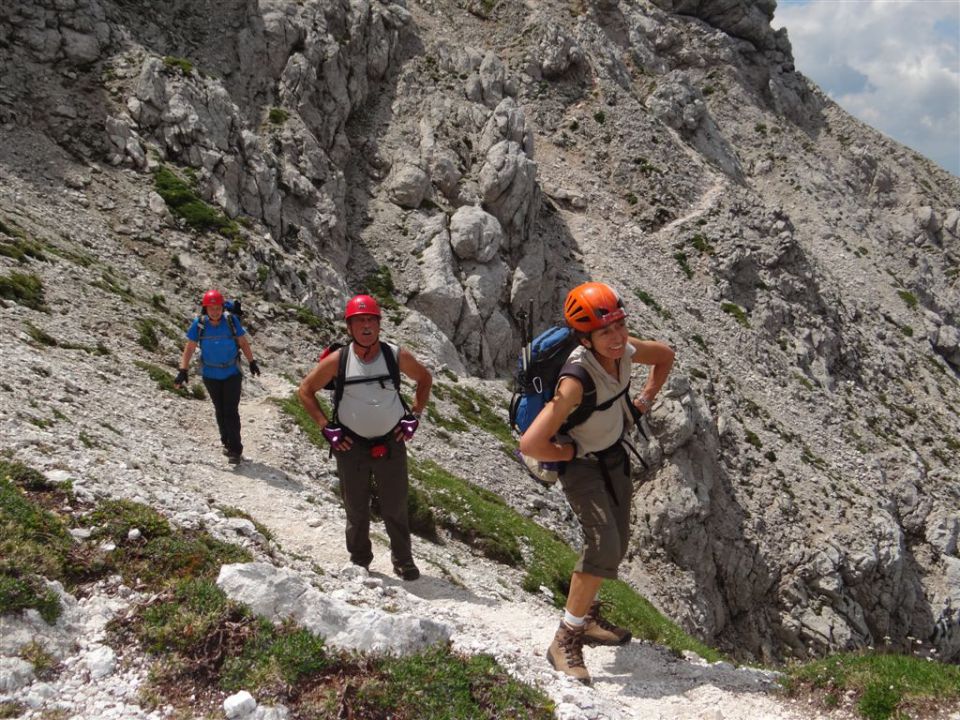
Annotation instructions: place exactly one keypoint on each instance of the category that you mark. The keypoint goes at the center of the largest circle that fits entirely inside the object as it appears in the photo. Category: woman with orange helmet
(221, 339)
(594, 467)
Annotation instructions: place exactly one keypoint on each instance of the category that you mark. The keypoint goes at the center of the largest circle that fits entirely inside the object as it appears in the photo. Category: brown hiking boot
(566, 653)
(597, 630)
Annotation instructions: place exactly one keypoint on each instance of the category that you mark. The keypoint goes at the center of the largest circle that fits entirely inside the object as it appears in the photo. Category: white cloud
(894, 64)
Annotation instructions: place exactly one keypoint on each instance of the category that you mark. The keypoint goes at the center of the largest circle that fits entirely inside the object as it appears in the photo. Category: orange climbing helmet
(361, 305)
(592, 306)
(212, 297)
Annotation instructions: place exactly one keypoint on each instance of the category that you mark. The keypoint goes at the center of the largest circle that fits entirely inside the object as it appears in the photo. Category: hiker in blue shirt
(594, 465)
(221, 339)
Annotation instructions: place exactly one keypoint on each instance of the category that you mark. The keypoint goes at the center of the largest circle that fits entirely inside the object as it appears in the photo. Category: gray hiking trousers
(357, 469)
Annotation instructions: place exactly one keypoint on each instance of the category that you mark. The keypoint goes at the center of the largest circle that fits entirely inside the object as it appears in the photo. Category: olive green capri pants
(603, 509)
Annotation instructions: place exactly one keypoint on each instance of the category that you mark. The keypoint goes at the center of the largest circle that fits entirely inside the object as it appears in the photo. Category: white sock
(572, 620)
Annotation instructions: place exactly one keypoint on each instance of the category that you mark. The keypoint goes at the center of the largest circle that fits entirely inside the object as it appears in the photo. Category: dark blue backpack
(542, 362)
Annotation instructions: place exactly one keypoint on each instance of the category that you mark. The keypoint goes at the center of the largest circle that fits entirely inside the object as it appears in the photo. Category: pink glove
(333, 433)
(408, 425)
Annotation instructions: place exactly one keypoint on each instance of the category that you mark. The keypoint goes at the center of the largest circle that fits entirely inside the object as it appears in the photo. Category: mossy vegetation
(24, 289)
(15, 244)
(475, 411)
(884, 685)
(164, 381)
(206, 645)
(179, 64)
(736, 312)
(278, 116)
(185, 203)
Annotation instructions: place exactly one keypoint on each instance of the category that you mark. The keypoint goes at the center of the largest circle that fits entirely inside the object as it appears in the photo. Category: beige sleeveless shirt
(604, 427)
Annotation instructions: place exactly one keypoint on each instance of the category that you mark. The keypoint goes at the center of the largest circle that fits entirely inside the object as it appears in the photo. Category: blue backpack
(542, 362)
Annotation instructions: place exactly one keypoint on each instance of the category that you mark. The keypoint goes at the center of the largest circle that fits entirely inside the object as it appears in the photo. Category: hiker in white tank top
(369, 431)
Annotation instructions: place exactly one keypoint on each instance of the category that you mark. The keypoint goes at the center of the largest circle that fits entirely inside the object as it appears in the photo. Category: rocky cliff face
(472, 157)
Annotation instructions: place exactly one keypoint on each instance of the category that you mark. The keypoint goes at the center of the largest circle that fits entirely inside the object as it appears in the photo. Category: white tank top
(370, 409)
(604, 427)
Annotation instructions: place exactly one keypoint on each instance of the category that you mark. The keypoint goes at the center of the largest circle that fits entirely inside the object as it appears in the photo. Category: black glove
(181, 378)
(254, 368)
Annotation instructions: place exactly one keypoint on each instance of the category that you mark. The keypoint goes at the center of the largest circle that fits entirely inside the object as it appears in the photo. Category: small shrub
(186, 204)
(147, 334)
(736, 312)
(700, 242)
(178, 63)
(760, 128)
(278, 116)
(909, 298)
(600, 116)
(632, 199)
(24, 289)
(753, 439)
(681, 258)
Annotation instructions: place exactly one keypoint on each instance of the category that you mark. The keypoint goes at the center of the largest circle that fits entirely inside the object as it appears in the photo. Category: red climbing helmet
(212, 297)
(361, 305)
(592, 306)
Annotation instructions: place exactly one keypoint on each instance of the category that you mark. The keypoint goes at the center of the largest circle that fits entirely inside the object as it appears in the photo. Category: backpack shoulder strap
(393, 368)
(589, 401)
(232, 325)
(338, 381)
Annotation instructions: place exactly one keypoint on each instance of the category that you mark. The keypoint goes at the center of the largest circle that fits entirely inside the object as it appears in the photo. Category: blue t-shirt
(219, 352)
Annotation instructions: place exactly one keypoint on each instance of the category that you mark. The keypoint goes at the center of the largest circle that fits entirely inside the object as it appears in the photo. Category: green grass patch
(307, 317)
(885, 685)
(206, 645)
(147, 334)
(475, 411)
(700, 242)
(736, 312)
(278, 116)
(162, 554)
(648, 300)
(753, 439)
(179, 64)
(380, 284)
(909, 298)
(111, 284)
(185, 203)
(24, 289)
(683, 262)
(18, 246)
(164, 381)
(34, 543)
(234, 512)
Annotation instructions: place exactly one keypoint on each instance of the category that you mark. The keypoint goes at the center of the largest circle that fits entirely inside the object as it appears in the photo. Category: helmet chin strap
(365, 350)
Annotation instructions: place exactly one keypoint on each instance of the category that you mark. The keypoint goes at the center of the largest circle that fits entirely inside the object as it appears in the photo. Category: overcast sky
(895, 64)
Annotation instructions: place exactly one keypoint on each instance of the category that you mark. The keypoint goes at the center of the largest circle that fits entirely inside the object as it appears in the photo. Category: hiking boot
(597, 630)
(234, 458)
(407, 571)
(566, 653)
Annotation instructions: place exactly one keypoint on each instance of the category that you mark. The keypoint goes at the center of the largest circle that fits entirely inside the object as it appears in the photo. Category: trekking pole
(527, 339)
